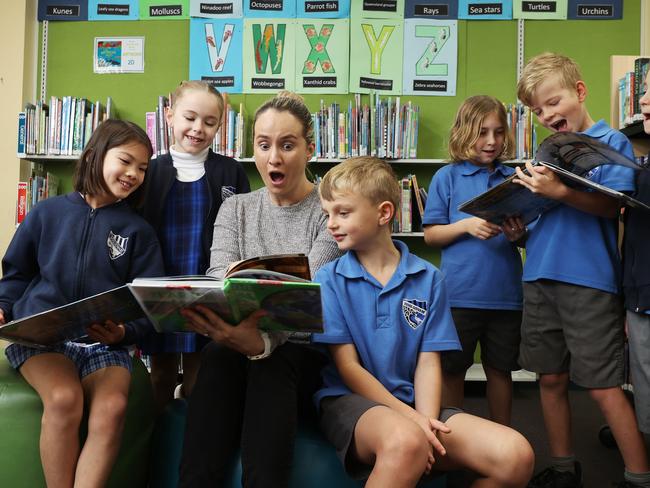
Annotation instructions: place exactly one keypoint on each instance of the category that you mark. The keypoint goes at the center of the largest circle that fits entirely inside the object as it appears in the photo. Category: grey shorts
(638, 330)
(87, 358)
(574, 329)
(498, 332)
(339, 417)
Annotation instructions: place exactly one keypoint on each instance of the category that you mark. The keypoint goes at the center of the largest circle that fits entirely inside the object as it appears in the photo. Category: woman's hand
(481, 229)
(244, 337)
(107, 333)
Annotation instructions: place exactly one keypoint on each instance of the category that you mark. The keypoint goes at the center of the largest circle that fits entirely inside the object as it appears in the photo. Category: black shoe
(552, 478)
(627, 484)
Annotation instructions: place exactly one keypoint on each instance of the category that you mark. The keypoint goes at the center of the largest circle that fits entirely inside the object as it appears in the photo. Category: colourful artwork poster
(375, 62)
(430, 57)
(322, 55)
(216, 53)
(485, 9)
(113, 10)
(62, 10)
(164, 10)
(278, 9)
(595, 9)
(377, 9)
(323, 9)
(431, 9)
(269, 55)
(539, 9)
(216, 9)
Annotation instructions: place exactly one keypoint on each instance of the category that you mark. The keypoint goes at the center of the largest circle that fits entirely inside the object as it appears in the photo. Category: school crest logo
(116, 245)
(227, 192)
(414, 311)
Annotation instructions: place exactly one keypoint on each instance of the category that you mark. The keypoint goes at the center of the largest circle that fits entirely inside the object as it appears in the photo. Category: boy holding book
(573, 322)
(386, 320)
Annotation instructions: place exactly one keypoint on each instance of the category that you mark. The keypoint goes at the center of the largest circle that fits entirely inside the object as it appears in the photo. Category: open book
(291, 301)
(573, 157)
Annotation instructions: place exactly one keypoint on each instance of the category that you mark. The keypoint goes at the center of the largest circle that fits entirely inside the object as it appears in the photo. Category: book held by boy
(291, 302)
(573, 157)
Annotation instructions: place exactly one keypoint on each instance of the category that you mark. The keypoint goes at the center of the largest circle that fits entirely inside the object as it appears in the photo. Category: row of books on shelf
(520, 123)
(61, 126)
(413, 199)
(39, 185)
(631, 88)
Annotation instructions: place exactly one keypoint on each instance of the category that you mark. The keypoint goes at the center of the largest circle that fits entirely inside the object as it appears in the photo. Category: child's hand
(542, 181)
(431, 426)
(481, 229)
(2, 317)
(513, 228)
(107, 333)
(244, 338)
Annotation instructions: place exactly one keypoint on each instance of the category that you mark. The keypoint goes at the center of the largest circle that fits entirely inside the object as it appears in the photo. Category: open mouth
(276, 177)
(194, 140)
(560, 125)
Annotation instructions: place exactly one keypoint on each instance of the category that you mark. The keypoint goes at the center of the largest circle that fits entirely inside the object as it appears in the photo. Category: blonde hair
(543, 66)
(467, 128)
(196, 85)
(286, 101)
(368, 176)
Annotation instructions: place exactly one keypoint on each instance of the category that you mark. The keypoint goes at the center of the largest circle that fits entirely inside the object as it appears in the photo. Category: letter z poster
(269, 55)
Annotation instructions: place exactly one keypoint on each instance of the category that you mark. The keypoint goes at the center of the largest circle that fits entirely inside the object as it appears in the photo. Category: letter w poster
(216, 53)
(375, 61)
(269, 55)
(322, 55)
(430, 57)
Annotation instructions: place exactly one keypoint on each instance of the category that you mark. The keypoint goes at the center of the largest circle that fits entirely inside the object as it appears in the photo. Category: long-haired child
(70, 247)
(482, 267)
(187, 188)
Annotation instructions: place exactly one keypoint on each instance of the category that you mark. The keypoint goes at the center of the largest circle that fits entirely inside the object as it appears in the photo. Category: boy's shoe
(178, 391)
(627, 484)
(552, 478)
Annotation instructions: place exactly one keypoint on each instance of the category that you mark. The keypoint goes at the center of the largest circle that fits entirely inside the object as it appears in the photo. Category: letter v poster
(216, 53)
(269, 55)
(430, 57)
(322, 55)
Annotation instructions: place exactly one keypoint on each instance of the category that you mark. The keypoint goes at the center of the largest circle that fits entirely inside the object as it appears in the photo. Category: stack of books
(520, 123)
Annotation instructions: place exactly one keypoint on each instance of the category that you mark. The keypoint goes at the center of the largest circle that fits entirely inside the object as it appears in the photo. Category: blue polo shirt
(389, 325)
(479, 274)
(575, 247)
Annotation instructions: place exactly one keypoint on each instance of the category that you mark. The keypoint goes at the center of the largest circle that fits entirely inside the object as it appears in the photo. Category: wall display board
(216, 53)
(269, 55)
(430, 57)
(378, 43)
(539, 9)
(164, 10)
(485, 9)
(595, 9)
(113, 10)
(216, 9)
(377, 9)
(270, 8)
(431, 9)
(62, 10)
(323, 9)
(322, 55)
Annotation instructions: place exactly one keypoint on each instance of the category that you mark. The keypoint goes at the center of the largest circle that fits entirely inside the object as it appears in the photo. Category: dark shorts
(574, 329)
(339, 417)
(88, 358)
(173, 342)
(498, 332)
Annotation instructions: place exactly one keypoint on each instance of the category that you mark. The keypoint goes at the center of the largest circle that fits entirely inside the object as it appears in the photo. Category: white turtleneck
(189, 167)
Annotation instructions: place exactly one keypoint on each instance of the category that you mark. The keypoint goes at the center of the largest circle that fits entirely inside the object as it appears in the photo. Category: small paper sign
(119, 55)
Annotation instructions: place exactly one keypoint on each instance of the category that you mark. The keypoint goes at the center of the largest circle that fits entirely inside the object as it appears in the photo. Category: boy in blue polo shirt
(573, 318)
(386, 320)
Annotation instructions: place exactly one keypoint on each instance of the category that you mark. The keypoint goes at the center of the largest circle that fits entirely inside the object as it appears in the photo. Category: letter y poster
(269, 55)
(430, 57)
(216, 53)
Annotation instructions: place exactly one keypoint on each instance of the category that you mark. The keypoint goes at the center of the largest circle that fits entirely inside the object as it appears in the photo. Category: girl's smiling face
(194, 119)
(490, 142)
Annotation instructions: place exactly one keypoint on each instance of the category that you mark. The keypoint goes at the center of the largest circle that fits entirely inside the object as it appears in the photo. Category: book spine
(21, 203)
(406, 204)
(22, 132)
(150, 127)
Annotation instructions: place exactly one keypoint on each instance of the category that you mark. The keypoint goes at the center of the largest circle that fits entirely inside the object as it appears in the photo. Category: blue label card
(62, 10)
(113, 10)
(216, 53)
(269, 55)
(377, 9)
(216, 9)
(485, 9)
(431, 9)
(323, 9)
(540, 9)
(430, 57)
(595, 9)
(278, 9)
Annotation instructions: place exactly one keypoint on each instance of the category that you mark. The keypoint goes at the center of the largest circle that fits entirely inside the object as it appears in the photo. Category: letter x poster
(322, 55)
(269, 55)
(216, 53)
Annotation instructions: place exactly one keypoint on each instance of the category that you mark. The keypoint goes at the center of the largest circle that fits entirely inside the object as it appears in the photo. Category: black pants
(249, 404)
